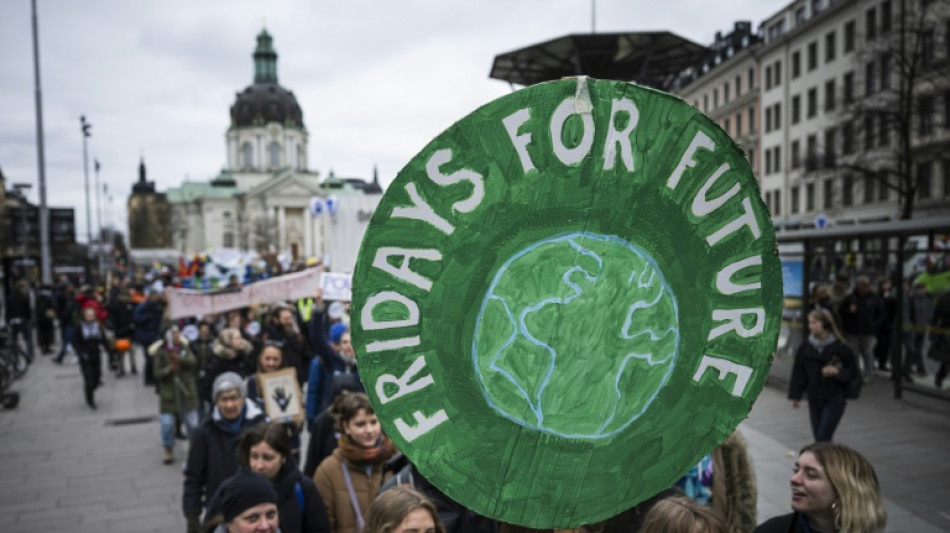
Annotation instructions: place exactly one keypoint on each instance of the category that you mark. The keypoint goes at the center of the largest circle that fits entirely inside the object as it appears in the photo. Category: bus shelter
(908, 252)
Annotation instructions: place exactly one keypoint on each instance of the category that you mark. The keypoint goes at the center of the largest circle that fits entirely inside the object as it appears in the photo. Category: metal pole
(593, 16)
(45, 259)
(85, 165)
(99, 232)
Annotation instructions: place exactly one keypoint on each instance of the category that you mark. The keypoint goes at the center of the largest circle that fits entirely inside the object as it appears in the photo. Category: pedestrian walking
(862, 313)
(67, 311)
(834, 489)
(403, 510)
(122, 318)
(20, 316)
(174, 366)
(882, 343)
(350, 478)
(211, 455)
(248, 504)
(45, 319)
(940, 338)
(823, 368)
(917, 316)
(148, 326)
(681, 514)
(89, 341)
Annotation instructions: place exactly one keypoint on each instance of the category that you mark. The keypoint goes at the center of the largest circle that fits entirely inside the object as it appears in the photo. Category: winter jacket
(295, 350)
(866, 319)
(122, 317)
(324, 438)
(225, 359)
(788, 523)
(332, 487)
(177, 391)
(806, 371)
(320, 381)
(18, 306)
(89, 348)
(148, 322)
(212, 457)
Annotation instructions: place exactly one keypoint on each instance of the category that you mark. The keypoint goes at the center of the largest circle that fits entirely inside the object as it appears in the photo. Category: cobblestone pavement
(64, 467)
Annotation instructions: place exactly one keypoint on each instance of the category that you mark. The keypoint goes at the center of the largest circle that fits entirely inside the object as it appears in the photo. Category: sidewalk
(64, 467)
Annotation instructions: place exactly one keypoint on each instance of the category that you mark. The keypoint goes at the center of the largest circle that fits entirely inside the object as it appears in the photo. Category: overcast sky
(376, 80)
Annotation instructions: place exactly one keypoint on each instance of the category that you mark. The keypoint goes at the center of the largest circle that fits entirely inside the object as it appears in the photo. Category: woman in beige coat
(349, 479)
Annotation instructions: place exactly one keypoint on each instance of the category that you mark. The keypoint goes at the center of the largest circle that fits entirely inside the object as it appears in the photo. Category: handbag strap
(356, 505)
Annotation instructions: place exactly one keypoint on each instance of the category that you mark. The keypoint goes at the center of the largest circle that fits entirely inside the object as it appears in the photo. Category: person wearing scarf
(174, 368)
(89, 340)
(823, 367)
(349, 479)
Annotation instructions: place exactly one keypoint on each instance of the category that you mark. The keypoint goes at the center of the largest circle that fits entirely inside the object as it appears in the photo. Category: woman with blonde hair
(400, 510)
(834, 489)
(824, 367)
(681, 515)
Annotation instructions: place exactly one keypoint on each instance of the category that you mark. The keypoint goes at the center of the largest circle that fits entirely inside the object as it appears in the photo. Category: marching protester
(246, 504)
(45, 316)
(148, 326)
(834, 489)
(284, 330)
(174, 367)
(677, 515)
(940, 338)
(336, 365)
(232, 353)
(918, 313)
(67, 311)
(122, 320)
(403, 510)
(211, 455)
(265, 449)
(89, 341)
(20, 315)
(861, 313)
(823, 368)
(350, 478)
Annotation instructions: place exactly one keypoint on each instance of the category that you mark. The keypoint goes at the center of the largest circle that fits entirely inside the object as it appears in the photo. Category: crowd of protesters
(245, 470)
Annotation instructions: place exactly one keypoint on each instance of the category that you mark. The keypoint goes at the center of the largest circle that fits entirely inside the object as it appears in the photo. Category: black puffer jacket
(806, 371)
(212, 457)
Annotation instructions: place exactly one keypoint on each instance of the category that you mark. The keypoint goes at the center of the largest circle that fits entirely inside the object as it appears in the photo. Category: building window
(885, 71)
(768, 77)
(923, 180)
(847, 137)
(796, 154)
(301, 158)
(870, 24)
(738, 85)
(830, 46)
(796, 109)
(751, 76)
(868, 131)
(768, 162)
(777, 158)
(812, 55)
(869, 184)
(796, 207)
(828, 200)
(796, 64)
(809, 197)
(885, 16)
(927, 46)
(883, 130)
(848, 92)
(725, 92)
(811, 154)
(706, 103)
(815, 7)
(715, 98)
(812, 102)
(768, 200)
(869, 78)
(752, 120)
(800, 15)
(228, 240)
(830, 95)
(777, 72)
(274, 151)
(738, 124)
(778, 202)
(925, 108)
(768, 119)
(847, 190)
(776, 30)
(830, 143)
(726, 127)
(777, 115)
(849, 36)
(882, 192)
(247, 155)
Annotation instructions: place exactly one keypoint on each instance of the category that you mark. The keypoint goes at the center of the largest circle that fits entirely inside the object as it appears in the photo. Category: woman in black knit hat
(245, 503)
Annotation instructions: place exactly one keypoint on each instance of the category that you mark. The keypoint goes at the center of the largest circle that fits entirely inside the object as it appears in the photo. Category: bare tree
(902, 73)
(264, 233)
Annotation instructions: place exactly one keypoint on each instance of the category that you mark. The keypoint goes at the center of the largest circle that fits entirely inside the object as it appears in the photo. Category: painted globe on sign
(576, 335)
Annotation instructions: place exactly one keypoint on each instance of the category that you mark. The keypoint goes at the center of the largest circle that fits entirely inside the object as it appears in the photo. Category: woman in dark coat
(89, 340)
(265, 449)
(823, 368)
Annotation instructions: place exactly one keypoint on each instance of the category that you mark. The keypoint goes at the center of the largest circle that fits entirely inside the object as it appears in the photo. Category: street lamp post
(86, 133)
(45, 257)
(99, 231)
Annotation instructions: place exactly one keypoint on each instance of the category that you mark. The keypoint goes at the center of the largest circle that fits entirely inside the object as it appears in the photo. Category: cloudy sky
(376, 79)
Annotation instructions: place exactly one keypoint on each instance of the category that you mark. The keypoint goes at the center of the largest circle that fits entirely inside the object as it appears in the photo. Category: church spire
(265, 59)
(142, 170)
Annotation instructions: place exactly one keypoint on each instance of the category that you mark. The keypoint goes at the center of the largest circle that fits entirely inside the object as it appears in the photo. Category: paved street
(66, 468)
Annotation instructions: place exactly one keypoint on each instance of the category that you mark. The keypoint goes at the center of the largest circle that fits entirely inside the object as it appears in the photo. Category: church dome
(265, 101)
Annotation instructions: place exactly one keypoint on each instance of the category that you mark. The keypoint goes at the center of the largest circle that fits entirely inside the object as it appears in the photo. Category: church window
(302, 163)
(274, 150)
(247, 158)
(228, 240)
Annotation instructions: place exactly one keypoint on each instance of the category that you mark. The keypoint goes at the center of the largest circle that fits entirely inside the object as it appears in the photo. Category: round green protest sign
(567, 299)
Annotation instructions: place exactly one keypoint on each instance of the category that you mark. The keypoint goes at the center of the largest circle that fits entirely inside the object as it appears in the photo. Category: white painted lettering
(512, 122)
(442, 157)
(394, 344)
(702, 205)
(424, 424)
(725, 367)
(621, 138)
(402, 383)
(420, 210)
(570, 156)
(403, 272)
(724, 283)
(371, 323)
(746, 219)
(700, 140)
(733, 318)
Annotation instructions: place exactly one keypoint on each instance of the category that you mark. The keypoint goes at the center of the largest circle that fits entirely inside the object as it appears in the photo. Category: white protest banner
(337, 286)
(184, 302)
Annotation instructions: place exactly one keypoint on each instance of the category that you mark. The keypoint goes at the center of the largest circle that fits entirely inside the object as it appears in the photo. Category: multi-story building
(834, 111)
(724, 84)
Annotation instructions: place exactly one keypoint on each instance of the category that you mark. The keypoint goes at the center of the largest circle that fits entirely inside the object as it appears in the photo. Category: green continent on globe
(576, 335)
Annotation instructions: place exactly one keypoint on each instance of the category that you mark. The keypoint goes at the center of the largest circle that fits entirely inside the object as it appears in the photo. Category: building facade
(149, 215)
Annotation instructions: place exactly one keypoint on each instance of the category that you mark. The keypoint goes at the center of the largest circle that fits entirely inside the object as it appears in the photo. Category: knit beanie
(226, 382)
(243, 491)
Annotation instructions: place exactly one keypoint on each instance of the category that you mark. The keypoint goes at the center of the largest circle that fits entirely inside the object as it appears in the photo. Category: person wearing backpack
(265, 449)
(826, 369)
